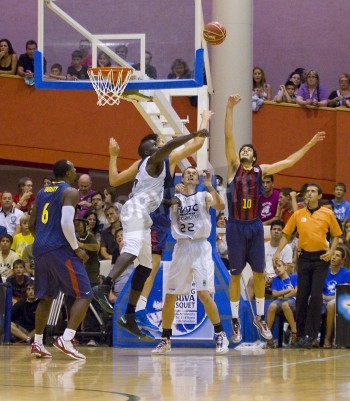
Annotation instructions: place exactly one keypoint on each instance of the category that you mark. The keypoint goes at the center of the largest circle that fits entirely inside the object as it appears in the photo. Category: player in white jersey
(192, 255)
(146, 196)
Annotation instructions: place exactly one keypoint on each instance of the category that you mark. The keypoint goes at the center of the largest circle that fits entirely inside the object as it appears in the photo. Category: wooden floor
(185, 374)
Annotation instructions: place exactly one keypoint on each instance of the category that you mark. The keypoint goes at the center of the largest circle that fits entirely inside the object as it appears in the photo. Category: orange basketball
(214, 33)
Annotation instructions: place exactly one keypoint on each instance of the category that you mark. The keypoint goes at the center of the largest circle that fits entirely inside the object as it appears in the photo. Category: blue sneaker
(143, 322)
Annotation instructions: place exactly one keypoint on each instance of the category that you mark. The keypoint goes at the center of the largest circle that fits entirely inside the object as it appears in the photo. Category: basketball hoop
(109, 83)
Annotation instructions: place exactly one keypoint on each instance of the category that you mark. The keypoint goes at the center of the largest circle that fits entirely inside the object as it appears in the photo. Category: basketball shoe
(143, 322)
(68, 348)
(101, 296)
(261, 325)
(236, 331)
(222, 343)
(128, 323)
(40, 351)
(163, 347)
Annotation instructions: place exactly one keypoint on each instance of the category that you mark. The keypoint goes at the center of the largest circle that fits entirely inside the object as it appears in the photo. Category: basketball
(214, 33)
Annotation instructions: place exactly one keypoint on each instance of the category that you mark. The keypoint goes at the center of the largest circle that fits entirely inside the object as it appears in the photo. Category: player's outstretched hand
(113, 147)
(320, 136)
(234, 99)
(207, 114)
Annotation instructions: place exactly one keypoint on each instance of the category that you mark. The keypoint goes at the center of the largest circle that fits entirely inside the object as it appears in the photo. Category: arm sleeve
(68, 226)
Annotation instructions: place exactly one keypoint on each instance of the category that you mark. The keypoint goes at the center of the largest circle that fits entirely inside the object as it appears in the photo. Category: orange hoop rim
(115, 71)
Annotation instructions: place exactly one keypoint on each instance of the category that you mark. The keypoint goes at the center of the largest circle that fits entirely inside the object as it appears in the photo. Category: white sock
(68, 335)
(38, 338)
(234, 309)
(141, 304)
(260, 306)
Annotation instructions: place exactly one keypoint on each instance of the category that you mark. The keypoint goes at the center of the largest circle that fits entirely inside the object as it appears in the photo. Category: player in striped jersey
(244, 230)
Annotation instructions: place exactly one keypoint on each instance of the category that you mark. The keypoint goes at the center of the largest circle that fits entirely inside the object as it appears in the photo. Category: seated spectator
(77, 71)
(28, 258)
(47, 180)
(9, 215)
(268, 201)
(261, 89)
(180, 70)
(24, 198)
(108, 243)
(85, 49)
(25, 65)
(341, 206)
(337, 274)
(18, 281)
(8, 58)
(302, 73)
(286, 93)
(339, 98)
(124, 277)
(97, 205)
(122, 51)
(150, 70)
(85, 194)
(7, 256)
(312, 93)
(56, 73)
(23, 315)
(287, 204)
(103, 60)
(93, 226)
(221, 244)
(284, 288)
(111, 196)
(295, 78)
(24, 237)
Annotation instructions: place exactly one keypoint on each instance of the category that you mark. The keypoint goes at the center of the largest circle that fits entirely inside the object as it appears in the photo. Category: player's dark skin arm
(155, 166)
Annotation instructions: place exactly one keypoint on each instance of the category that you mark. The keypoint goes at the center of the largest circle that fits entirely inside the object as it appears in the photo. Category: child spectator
(24, 238)
(179, 70)
(286, 94)
(284, 289)
(18, 281)
(56, 72)
(7, 257)
(77, 71)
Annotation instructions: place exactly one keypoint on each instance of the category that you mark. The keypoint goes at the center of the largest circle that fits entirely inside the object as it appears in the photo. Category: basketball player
(58, 258)
(244, 230)
(192, 256)
(146, 196)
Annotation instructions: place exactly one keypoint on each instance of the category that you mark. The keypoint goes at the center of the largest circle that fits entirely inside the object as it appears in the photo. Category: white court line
(307, 361)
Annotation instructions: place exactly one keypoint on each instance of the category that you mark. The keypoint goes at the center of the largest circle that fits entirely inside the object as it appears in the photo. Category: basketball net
(109, 83)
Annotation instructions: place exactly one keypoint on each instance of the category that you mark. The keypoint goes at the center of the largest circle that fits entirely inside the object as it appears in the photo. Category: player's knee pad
(139, 278)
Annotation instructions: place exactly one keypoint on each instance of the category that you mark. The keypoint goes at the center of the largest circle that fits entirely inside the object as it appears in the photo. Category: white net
(109, 83)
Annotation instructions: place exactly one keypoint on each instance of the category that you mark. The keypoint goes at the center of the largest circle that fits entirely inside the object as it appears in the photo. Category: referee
(312, 224)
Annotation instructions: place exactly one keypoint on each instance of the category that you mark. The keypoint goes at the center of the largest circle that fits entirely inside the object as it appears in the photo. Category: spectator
(47, 180)
(268, 201)
(287, 204)
(337, 274)
(97, 205)
(260, 87)
(25, 197)
(8, 58)
(93, 225)
(23, 315)
(221, 244)
(18, 281)
(341, 97)
(56, 72)
(28, 258)
(103, 60)
(7, 256)
(302, 73)
(284, 288)
(286, 94)
(150, 70)
(341, 206)
(111, 196)
(85, 51)
(25, 65)
(312, 93)
(295, 78)
(179, 70)
(9, 215)
(85, 194)
(108, 243)
(24, 237)
(122, 51)
(77, 71)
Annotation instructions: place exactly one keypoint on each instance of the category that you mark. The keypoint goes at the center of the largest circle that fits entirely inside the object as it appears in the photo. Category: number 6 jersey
(191, 220)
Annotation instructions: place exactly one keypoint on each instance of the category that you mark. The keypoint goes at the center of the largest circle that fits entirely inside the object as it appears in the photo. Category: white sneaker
(222, 343)
(236, 331)
(68, 348)
(261, 325)
(92, 343)
(163, 347)
(40, 351)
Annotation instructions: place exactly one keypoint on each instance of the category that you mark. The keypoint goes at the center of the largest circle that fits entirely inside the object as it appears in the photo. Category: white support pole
(41, 25)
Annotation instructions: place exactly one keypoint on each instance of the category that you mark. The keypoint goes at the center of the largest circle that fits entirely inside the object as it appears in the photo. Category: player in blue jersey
(244, 230)
(58, 258)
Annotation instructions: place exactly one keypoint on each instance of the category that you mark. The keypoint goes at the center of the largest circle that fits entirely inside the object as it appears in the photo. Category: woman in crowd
(8, 58)
(312, 93)
(25, 197)
(260, 87)
(341, 97)
(93, 225)
(179, 70)
(103, 60)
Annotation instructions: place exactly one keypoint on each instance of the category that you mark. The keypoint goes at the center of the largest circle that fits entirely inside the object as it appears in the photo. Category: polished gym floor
(185, 374)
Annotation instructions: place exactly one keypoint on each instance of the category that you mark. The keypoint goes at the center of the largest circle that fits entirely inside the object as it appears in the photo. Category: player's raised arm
(214, 199)
(293, 158)
(230, 146)
(116, 178)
